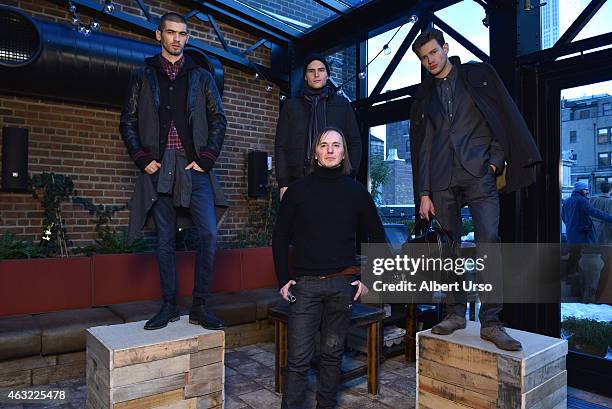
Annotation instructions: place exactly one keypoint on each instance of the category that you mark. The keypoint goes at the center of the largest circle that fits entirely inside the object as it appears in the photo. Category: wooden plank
(543, 374)
(459, 377)
(509, 371)
(206, 357)
(24, 364)
(456, 393)
(155, 352)
(431, 401)
(540, 392)
(205, 373)
(43, 376)
(152, 401)
(211, 400)
(509, 397)
(184, 404)
(479, 362)
(19, 379)
(71, 358)
(542, 357)
(201, 389)
(213, 339)
(133, 374)
(96, 348)
(147, 388)
(561, 405)
(552, 400)
(98, 395)
(96, 372)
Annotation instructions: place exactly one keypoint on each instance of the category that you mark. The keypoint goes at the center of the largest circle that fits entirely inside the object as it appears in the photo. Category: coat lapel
(153, 85)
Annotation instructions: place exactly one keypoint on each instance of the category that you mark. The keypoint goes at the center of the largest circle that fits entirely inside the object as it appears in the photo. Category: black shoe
(168, 313)
(200, 315)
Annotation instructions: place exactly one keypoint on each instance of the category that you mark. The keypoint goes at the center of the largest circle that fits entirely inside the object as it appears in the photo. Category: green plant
(260, 222)
(588, 332)
(109, 240)
(56, 189)
(114, 242)
(379, 176)
(12, 248)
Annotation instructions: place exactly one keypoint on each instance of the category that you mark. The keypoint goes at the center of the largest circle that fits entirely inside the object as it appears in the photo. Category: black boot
(169, 312)
(200, 315)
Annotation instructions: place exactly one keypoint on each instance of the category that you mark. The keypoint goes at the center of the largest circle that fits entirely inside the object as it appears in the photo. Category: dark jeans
(480, 194)
(325, 304)
(202, 212)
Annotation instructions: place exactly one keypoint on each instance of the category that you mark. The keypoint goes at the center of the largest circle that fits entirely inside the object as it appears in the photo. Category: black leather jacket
(139, 123)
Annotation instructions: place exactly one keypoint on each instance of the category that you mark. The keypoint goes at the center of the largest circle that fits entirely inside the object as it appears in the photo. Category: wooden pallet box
(177, 367)
(461, 370)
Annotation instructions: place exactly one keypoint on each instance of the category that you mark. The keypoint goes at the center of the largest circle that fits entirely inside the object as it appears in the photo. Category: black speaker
(14, 159)
(258, 173)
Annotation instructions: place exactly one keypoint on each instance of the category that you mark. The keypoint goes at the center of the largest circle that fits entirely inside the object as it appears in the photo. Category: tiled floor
(250, 385)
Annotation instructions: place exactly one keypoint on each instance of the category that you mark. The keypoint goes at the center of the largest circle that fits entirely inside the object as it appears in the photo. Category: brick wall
(83, 141)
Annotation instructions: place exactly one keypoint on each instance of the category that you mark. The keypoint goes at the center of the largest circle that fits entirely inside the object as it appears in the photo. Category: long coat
(501, 113)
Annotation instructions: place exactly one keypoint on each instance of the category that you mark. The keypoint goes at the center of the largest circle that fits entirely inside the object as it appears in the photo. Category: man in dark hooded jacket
(303, 117)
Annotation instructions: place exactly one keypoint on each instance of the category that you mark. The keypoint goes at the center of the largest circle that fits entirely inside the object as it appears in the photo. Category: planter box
(41, 285)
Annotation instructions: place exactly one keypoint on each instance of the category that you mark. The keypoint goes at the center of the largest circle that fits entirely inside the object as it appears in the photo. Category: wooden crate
(177, 367)
(462, 371)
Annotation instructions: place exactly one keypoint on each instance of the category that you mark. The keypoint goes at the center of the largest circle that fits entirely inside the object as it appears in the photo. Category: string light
(269, 87)
(386, 49)
(94, 25)
(282, 97)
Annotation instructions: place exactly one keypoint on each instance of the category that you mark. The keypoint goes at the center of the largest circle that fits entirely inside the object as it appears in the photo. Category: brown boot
(497, 334)
(449, 324)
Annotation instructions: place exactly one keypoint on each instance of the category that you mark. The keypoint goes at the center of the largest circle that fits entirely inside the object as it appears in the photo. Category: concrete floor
(249, 384)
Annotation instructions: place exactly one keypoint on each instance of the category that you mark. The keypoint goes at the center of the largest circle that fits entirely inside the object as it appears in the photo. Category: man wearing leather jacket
(173, 125)
(466, 131)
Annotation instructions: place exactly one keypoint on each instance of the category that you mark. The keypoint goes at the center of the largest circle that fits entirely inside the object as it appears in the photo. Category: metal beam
(582, 20)
(579, 46)
(386, 96)
(238, 22)
(143, 26)
(144, 9)
(335, 6)
(401, 51)
(363, 22)
(250, 14)
(220, 37)
(254, 47)
(460, 39)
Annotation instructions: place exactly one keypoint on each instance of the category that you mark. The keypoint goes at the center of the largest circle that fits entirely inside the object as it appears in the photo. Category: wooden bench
(177, 366)
(462, 371)
(362, 315)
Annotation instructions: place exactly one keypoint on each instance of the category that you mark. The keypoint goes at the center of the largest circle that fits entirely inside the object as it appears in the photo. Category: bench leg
(410, 337)
(373, 358)
(280, 356)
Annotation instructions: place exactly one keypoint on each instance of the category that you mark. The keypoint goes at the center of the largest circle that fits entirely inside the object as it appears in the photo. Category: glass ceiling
(302, 15)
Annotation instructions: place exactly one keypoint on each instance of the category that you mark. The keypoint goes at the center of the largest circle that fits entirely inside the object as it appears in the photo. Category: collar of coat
(155, 62)
(429, 81)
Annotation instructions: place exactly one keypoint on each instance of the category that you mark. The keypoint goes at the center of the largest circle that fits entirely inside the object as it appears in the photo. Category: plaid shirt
(172, 70)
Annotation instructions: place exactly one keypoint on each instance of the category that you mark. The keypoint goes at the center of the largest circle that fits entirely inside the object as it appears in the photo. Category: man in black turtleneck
(303, 117)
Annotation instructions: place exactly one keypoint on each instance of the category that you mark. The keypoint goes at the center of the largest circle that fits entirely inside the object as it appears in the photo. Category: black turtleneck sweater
(322, 214)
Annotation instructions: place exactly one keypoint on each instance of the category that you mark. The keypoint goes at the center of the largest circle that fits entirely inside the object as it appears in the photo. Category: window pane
(300, 14)
(466, 18)
(556, 16)
(408, 71)
(599, 24)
